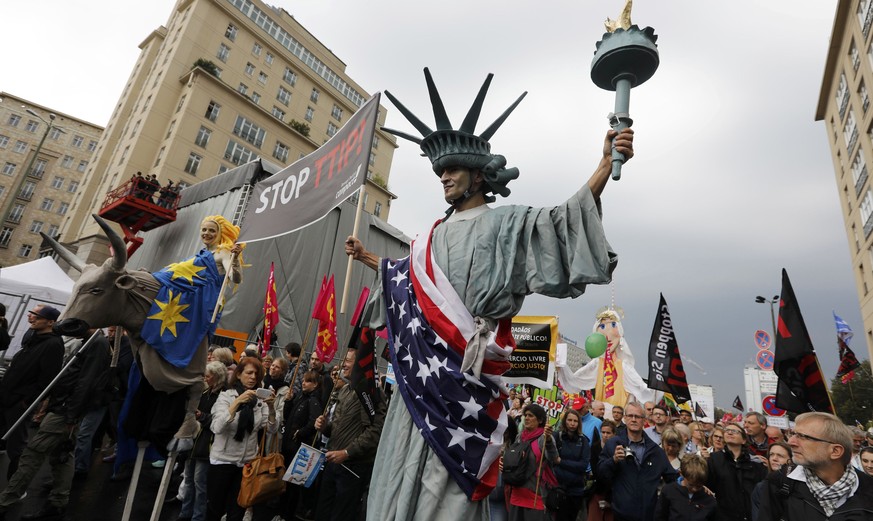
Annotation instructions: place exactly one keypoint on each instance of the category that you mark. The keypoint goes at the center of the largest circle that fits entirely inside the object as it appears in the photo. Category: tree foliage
(854, 400)
(207, 65)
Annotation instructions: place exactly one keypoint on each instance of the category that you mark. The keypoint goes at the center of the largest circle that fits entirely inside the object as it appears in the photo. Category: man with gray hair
(755, 425)
(824, 485)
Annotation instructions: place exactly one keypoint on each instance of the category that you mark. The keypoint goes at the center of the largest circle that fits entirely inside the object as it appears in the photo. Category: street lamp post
(10, 199)
(775, 300)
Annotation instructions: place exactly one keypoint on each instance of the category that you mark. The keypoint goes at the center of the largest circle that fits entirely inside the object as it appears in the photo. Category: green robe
(493, 259)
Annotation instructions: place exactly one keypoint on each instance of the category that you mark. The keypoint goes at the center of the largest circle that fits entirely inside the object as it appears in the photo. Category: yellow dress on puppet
(612, 376)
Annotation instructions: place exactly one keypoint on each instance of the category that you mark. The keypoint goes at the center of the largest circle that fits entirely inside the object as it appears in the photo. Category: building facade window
(268, 59)
(865, 96)
(278, 113)
(36, 226)
(256, 98)
(855, 56)
(243, 89)
(58, 182)
(866, 207)
(16, 213)
(249, 131)
(27, 190)
(67, 162)
(223, 52)
(47, 204)
(202, 138)
(865, 16)
(375, 142)
(73, 187)
(62, 209)
(313, 96)
(20, 147)
(336, 113)
(377, 209)
(53, 230)
(237, 153)
(280, 152)
(250, 69)
(38, 168)
(5, 236)
(82, 166)
(850, 131)
(331, 129)
(193, 163)
(256, 49)
(25, 250)
(14, 120)
(31, 126)
(77, 140)
(92, 145)
(212, 111)
(289, 77)
(4, 141)
(284, 95)
(181, 103)
(262, 78)
(9, 168)
(230, 32)
(309, 113)
(55, 134)
(160, 156)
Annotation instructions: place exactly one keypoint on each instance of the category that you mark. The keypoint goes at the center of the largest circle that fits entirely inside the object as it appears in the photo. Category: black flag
(698, 410)
(738, 404)
(665, 365)
(801, 386)
(363, 377)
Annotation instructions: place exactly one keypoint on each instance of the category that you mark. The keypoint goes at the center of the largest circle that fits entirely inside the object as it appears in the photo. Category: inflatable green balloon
(595, 345)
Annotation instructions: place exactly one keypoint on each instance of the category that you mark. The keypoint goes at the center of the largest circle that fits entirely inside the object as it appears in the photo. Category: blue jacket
(575, 452)
(635, 486)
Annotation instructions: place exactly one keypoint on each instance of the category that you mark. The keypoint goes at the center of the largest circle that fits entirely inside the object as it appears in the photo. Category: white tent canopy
(37, 282)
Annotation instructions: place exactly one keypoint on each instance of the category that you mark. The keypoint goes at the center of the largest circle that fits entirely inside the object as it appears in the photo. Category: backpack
(519, 463)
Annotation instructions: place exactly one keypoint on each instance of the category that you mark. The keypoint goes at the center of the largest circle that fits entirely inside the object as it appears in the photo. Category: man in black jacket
(31, 370)
(824, 485)
(55, 438)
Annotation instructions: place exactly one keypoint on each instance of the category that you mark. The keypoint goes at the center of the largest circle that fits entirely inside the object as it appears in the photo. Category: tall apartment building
(224, 82)
(44, 155)
(844, 105)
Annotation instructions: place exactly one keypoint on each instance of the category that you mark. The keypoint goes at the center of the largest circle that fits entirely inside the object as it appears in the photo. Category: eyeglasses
(734, 431)
(634, 416)
(807, 437)
(717, 437)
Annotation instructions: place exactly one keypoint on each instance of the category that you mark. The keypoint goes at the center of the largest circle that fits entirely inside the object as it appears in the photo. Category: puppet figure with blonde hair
(181, 314)
(612, 375)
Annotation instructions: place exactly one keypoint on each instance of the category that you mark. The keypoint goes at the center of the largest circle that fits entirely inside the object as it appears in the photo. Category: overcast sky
(732, 178)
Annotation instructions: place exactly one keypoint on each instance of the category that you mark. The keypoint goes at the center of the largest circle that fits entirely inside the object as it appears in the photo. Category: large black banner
(533, 359)
(666, 372)
(307, 190)
(801, 386)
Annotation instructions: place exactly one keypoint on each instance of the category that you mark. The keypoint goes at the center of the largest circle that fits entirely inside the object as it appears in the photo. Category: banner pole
(351, 259)
(218, 303)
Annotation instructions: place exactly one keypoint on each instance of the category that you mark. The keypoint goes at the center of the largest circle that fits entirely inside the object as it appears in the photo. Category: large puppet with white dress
(612, 375)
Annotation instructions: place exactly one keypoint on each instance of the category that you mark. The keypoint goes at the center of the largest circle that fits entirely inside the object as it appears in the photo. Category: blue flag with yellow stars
(181, 314)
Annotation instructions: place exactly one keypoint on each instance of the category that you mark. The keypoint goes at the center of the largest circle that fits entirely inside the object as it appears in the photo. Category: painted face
(778, 457)
(209, 234)
(249, 377)
(609, 329)
(456, 181)
(867, 462)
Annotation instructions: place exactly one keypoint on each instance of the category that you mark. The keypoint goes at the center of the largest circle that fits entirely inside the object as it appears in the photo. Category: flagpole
(348, 281)
(233, 257)
(825, 383)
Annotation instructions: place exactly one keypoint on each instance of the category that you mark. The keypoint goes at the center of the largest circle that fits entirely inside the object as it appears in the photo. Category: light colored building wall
(169, 99)
(42, 200)
(844, 105)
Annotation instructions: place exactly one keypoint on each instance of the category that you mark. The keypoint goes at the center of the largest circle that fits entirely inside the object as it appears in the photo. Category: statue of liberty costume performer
(438, 453)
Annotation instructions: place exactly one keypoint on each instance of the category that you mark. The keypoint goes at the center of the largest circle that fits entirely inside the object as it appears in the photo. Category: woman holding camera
(237, 416)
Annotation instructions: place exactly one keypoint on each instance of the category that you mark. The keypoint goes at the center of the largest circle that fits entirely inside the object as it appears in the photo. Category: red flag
(325, 312)
(271, 313)
(359, 308)
(801, 386)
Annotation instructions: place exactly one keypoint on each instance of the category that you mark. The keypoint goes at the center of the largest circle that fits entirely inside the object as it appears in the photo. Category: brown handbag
(262, 477)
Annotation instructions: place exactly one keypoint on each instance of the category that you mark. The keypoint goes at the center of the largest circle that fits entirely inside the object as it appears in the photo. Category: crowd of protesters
(637, 462)
(651, 462)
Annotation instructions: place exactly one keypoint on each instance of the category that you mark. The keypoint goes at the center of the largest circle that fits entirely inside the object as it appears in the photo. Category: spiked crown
(446, 146)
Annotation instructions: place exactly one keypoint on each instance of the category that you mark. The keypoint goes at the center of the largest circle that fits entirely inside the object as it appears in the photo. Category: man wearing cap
(31, 370)
(464, 281)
